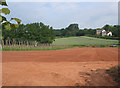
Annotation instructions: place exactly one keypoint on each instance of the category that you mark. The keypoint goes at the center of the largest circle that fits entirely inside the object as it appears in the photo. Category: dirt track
(56, 68)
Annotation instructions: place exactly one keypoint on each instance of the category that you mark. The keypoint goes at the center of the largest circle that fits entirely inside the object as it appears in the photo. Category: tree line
(44, 34)
(73, 30)
(34, 32)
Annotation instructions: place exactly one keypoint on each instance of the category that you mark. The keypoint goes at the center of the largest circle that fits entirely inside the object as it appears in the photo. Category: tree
(5, 23)
(113, 29)
(80, 33)
(31, 32)
(71, 30)
(107, 27)
(73, 27)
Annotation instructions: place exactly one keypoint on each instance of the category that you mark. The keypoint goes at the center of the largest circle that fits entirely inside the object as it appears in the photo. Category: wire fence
(9, 45)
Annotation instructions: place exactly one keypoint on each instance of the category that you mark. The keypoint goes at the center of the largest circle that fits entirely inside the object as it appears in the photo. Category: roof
(99, 30)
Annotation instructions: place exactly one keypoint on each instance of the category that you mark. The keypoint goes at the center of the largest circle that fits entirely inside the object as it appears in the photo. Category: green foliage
(73, 30)
(32, 48)
(7, 26)
(5, 23)
(104, 37)
(30, 32)
(114, 72)
(16, 19)
(89, 31)
(107, 27)
(6, 11)
(114, 29)
(2, 18)
(3, 2)
(80, 33)
(14, 26)
(73, 27)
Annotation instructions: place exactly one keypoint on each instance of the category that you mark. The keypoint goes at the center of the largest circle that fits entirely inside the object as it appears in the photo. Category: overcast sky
(61, 14)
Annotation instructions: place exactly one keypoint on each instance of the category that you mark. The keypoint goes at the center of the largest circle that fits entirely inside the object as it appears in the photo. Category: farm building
(109, 33)
(103, 32)
(98, 32)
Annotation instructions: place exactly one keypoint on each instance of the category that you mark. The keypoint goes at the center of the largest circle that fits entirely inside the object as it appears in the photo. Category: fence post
(27, 43)
(2, 42)
(24, 44)
(13, 42)
(6, 43)
(19, 43)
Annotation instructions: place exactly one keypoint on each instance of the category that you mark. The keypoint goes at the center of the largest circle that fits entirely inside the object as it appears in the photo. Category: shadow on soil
(102, 77)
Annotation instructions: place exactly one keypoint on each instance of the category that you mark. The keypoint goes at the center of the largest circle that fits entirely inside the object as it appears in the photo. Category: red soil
(56, 68)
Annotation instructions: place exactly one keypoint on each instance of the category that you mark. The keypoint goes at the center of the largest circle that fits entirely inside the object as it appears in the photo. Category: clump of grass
(114, 72)
(79, 46)
(102, 45)
(32, 48)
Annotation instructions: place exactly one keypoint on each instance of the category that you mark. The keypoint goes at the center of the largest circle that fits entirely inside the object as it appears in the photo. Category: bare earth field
(69, 67)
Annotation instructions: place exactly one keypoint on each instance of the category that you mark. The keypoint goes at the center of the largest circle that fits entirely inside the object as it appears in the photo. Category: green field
(84, 41)
(37, 48)
(64, 43)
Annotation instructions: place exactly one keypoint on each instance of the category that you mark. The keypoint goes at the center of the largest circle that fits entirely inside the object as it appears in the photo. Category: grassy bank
(32, 48)
(65, 43)
(84, 41)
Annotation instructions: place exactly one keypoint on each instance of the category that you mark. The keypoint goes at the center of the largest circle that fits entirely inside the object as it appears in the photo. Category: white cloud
(60, 15)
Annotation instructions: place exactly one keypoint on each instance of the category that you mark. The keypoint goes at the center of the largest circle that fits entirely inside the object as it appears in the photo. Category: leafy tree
(34, 32)
(114, 29)
(3, 20)
(107, 27)
(73, 27)
(71, 30)
(80, 33)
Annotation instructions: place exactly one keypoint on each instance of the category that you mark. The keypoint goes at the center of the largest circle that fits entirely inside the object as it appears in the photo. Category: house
(98, 32)
(109, 33)
(103, 32)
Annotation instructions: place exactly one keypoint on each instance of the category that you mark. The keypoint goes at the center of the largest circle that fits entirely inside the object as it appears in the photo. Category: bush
(105, 37)
(114, 72)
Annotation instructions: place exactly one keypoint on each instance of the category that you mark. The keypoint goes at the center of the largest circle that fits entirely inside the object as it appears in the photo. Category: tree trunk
(27, 44)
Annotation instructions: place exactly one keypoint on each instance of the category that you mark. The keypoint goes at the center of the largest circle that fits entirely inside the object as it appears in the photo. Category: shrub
(114, 72)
